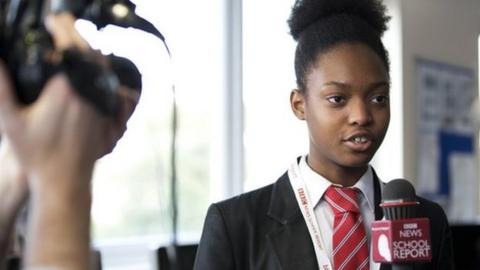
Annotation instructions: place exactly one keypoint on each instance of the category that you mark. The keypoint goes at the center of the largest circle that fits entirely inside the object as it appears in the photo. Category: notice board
(446, 147)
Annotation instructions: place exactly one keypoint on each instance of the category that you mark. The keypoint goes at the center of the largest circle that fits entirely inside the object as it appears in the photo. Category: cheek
(324, 126)
(385, 117)
(383, 121)
(316, 117)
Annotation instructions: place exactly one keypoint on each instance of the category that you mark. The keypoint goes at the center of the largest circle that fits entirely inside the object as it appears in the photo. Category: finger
(128, 101)
(8, 102)
(129, 98)
(57, 91)
(62, 28)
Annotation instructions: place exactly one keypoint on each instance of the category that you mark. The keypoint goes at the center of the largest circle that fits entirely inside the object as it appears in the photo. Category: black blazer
(264, 230)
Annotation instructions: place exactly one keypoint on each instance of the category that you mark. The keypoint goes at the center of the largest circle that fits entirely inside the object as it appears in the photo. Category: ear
(297, 102)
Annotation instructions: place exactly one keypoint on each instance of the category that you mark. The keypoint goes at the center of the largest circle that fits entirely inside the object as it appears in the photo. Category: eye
(380, 99)
(336, 100)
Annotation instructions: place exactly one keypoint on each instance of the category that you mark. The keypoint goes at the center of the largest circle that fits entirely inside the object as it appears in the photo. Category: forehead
(353, 64)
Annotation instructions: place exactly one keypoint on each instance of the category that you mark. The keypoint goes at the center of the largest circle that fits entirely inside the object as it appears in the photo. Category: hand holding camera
(62, 106)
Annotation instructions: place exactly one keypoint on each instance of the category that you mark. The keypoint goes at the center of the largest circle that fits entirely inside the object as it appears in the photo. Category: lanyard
(303, 200)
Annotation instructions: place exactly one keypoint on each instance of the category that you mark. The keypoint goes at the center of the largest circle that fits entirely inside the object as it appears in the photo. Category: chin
(357, 161)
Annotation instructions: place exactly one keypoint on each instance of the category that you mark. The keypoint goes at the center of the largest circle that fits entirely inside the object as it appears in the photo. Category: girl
(318, 215)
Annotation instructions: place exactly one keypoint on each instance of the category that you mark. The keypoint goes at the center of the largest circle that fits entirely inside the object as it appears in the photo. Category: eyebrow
(346, 86)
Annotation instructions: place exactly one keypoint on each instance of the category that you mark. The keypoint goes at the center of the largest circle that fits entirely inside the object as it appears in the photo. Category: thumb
(8, 102)
(62, 28)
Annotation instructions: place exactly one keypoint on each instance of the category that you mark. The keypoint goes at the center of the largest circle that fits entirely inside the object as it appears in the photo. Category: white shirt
(317, 185)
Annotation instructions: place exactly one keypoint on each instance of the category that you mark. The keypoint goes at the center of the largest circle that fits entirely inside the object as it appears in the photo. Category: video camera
(26, 48)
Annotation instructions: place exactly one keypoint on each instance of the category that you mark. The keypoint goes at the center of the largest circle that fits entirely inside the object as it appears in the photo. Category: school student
(318, 214)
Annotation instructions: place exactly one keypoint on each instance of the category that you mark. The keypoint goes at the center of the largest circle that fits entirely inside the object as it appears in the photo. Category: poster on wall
(446, 148)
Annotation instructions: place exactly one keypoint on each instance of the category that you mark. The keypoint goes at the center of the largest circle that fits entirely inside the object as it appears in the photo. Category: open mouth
(359, 140)
(359, 143)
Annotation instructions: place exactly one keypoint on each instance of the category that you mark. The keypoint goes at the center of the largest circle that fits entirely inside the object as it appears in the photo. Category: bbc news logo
(399, 241)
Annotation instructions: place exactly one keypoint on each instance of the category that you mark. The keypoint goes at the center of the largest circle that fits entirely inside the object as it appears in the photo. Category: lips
(359, 141)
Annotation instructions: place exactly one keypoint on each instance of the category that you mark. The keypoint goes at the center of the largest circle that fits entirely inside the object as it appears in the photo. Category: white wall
(440, 30)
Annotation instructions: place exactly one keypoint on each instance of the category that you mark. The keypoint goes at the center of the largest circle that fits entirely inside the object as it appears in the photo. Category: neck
(340, 175)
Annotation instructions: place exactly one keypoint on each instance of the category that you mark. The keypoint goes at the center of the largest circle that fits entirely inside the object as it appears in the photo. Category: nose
(360, 113)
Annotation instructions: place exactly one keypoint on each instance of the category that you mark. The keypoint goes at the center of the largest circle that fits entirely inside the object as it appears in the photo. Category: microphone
(402, 238)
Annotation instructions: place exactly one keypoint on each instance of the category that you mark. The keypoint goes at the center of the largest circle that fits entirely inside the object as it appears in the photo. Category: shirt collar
(317, 184)
(365, 185)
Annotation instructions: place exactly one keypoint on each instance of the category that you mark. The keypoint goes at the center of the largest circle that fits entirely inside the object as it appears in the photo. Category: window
(269, 77)
(131, 208)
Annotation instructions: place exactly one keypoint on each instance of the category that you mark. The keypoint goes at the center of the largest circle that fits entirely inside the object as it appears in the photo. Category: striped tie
(350, 247)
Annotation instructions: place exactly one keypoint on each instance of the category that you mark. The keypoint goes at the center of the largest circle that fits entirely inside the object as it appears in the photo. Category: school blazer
(264, 230)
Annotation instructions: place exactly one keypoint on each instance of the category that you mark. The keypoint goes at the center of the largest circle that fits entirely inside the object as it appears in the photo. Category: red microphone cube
(401, 240)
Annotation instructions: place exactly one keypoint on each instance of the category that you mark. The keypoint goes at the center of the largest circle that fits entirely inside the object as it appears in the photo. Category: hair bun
(307, 12)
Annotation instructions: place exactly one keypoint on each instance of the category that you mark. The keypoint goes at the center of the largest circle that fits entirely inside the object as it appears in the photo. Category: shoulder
(440, 234)
(233, 226)
(430, 209)
(235, 222)
(439, 227)
(257, 208)
(245, 204)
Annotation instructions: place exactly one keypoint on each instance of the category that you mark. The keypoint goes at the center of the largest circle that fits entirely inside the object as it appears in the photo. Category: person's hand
(65, 36)
(13, 180)
(13, 194)
(58, 131)
(54, 143)
(128, 100)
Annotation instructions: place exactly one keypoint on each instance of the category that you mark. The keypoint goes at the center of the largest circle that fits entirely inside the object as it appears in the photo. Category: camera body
(24, 45)
(28, 50)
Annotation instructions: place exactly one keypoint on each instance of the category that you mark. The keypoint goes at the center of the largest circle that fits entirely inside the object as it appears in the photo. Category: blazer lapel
(378, 210)
(377, 196)
(290, 240)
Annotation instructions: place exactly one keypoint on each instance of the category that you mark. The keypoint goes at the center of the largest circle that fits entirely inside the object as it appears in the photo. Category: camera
(28, 50)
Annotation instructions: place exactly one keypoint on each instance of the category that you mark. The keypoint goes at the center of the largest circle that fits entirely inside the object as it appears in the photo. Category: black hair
(319, 25)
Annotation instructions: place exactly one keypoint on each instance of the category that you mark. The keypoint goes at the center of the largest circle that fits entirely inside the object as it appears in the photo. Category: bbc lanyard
(306, 207)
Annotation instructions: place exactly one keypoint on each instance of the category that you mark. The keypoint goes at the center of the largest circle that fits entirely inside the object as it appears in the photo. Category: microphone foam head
(399, 200)
(399, 190)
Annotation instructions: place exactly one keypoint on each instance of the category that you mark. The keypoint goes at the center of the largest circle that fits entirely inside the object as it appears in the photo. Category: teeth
(360, 139)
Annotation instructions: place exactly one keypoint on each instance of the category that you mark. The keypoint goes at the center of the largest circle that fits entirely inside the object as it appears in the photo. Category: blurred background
(232, 67)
